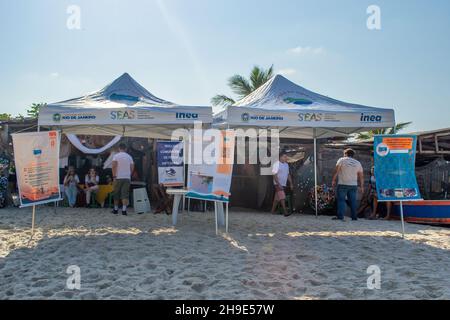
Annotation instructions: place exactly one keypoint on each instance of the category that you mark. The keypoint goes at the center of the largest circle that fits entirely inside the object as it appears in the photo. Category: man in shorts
(281, 176)
(122, 168)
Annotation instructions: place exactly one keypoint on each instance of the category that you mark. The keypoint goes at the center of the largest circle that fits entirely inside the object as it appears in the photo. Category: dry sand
(263, 257)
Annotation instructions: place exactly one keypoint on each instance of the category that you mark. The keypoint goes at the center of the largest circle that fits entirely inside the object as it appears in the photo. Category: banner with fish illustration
(170, 163)
(395, 157)
(36, 157)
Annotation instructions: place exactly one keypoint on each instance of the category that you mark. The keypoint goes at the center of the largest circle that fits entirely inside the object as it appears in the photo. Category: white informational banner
(36, 157)
(170, 163)
(209, 177)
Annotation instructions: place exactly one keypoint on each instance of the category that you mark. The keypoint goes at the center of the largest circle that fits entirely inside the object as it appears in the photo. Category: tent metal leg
(226, 218)
(403, 220)
(33, 215)
(215, 212)
(315, 174)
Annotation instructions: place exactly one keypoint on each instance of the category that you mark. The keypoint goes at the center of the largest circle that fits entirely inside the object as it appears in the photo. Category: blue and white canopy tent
(125, 108)
(302, 114)
(122, 108)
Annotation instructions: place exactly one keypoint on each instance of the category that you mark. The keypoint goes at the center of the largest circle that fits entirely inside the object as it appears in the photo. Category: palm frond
(33, 112)
(5, 116)
(240, 85)
(362, 136)
(222, 100)
(399, 126)
(259, 76)
(368, 135)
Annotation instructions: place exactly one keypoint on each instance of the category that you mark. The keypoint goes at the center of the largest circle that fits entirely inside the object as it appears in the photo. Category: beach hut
(302, 114)
(122, 108)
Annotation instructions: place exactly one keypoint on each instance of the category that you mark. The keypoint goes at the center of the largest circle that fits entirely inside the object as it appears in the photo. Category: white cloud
(54, 74)
(306, 50)
(287, 71)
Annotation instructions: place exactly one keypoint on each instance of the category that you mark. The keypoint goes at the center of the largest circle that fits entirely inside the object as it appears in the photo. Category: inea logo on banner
(371, 118)
(186, 115)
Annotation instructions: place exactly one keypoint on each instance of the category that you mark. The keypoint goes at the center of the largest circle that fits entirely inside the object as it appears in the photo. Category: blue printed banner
(395, 157)
(170, 163)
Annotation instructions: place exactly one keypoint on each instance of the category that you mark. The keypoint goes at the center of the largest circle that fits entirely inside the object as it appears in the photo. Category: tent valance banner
(36, 157)
(212, 181)
(170, 163)
(395, 157)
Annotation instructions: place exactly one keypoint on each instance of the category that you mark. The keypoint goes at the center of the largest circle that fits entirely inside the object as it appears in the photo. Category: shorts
(280, 194)
(121, 189)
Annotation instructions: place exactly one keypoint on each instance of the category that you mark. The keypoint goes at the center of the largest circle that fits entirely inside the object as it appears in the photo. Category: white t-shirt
(89, 179)
(124, 162)
(348, 174)
(282, 172)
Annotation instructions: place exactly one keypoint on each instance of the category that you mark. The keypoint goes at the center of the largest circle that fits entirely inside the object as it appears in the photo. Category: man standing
(280, 171)
(348, 171)
(122, 167)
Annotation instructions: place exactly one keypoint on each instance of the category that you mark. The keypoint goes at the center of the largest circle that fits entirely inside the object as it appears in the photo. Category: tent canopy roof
(299, 112)
(122, 92)
(123, 107)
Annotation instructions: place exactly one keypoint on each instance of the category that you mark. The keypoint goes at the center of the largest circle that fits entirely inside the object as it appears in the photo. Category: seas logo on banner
(123, 115)
(310, 117)
(395, 157)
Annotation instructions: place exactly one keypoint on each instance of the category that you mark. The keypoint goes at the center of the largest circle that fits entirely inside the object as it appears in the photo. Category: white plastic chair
(141, 202)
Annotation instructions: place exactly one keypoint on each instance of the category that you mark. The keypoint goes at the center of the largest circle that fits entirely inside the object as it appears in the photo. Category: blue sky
(185, 50)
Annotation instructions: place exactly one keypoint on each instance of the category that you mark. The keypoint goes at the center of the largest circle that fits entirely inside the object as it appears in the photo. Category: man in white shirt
(281, 176)
(348, 172)
(122, 168)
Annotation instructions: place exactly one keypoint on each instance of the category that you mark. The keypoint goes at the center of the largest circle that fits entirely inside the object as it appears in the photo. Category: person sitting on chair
(91, 182)
(71, 182)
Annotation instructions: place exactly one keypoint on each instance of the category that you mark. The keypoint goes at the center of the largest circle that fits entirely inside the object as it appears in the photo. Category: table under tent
(123, 108)
(299, 113)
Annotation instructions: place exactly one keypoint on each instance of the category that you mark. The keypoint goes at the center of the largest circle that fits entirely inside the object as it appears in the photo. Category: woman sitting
(91, 182)
(71, 182)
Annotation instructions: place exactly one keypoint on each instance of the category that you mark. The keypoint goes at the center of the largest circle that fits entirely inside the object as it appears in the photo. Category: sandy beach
(263, 257)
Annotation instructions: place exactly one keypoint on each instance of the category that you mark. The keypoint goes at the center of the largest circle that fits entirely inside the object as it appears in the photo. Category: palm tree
(242, 86)
(5, 117)
(33, 112)
(370, 134)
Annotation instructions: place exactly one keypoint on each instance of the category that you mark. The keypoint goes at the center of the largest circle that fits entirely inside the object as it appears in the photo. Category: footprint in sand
(198, 287)
(313, 282)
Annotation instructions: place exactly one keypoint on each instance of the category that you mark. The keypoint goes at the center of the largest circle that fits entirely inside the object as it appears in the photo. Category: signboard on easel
(395, 157)
(210, 178)
(36, 157)
(170, 163)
